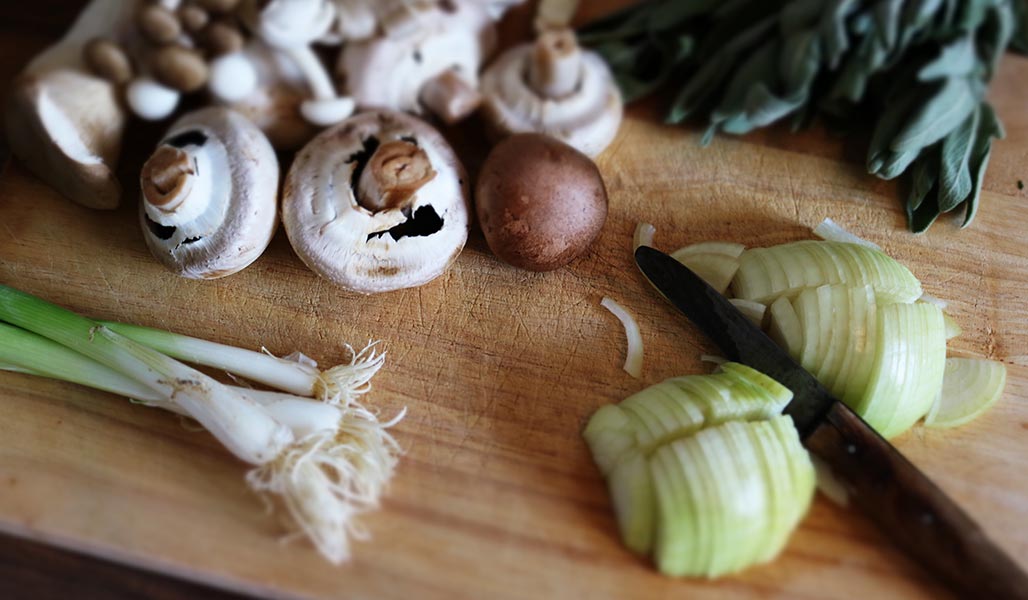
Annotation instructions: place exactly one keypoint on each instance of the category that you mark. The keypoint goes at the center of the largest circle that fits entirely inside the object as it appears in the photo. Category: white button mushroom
(290, 26)
(556, 88)
(428, 58)
(377, 203)
(64, 122)
(209, 204)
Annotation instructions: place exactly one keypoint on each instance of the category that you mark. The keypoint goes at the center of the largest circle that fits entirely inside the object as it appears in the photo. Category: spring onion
(634, 353)
(970, 387)
(337, 385)
(704, 472)
(325, 477)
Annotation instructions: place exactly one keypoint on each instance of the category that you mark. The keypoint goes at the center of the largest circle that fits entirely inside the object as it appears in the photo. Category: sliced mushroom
(553, 87)
(427, 58)
(66, 123)
(209, 205)
(377, 203)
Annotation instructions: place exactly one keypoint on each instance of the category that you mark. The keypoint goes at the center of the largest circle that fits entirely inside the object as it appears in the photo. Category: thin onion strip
(833, 232)
(634, 354)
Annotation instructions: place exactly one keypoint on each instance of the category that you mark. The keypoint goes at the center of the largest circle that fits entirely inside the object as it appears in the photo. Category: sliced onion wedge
(969, 388)
(767, 273)
(634, 353)
(754, 311)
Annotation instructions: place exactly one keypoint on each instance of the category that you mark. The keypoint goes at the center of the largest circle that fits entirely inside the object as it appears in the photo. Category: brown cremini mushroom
(377, 203)
(540, 202)
(209, 203)
(553, 87)
(64, 122)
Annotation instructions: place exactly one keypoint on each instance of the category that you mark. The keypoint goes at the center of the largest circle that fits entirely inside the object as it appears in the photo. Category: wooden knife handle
(912, 511)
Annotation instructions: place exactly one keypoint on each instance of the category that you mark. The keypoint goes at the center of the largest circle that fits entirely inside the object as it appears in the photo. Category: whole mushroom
(377, 203)
(426, 58)
(540, 202)
(209, 195)
(553, 87)
(63, 121)
(290, 27)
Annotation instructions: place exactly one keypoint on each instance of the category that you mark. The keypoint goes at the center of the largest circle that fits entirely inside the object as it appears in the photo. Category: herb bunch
(914, 72)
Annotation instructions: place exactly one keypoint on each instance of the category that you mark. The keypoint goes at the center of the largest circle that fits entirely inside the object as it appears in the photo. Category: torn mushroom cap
(209, 205)
(377, 203)
(428, 60)
(553, 87)
(65, 123)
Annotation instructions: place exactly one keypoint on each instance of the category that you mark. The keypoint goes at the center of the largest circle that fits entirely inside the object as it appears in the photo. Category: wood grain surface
(496, 496)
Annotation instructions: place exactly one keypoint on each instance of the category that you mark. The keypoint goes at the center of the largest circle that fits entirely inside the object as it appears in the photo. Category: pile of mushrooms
(377, 203)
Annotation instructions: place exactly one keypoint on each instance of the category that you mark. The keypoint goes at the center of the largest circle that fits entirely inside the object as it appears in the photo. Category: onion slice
(833, 232)
(644, 233)
(634, 354)
(969, 387)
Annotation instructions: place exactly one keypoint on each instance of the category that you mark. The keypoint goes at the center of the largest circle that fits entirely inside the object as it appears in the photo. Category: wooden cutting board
(496, 496)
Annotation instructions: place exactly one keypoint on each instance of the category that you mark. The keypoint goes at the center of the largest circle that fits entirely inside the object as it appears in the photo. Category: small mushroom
(377, 203)
(553, 87)
(290, 27)
(64, 122)
(267, 88)
(540, 202)
(428, 58)
(209, 205)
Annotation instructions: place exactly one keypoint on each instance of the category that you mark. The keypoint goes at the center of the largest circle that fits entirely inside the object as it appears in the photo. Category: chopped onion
(942, 304)
(754, 311)
(970, 387)
(644, 233)
(634, 354)
(828, 484)
(833, 232)
(713, 358)
(704, 472)
(952, 328)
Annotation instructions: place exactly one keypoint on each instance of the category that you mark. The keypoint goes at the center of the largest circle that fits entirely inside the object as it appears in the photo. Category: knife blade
(911, 510)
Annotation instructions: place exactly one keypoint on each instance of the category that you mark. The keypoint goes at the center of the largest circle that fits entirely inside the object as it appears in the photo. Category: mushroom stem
(450, 97)
(396, 171)
(167, 178)
(178, 184)
(555, 67)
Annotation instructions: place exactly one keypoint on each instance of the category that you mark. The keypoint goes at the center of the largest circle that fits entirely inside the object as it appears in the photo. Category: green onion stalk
(327, 460)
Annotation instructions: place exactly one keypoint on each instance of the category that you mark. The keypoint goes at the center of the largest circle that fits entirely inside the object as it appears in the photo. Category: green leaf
(833, 29)
(932, 121)
(989, 127)
(924, 176)
(800, 61)
(954, 170)
(956, 59)
(921, 218)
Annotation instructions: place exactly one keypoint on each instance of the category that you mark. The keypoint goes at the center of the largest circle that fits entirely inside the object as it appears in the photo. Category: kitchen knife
(899, 498)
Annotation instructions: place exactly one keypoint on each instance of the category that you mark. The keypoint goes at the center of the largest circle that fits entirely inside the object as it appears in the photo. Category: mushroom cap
(362, 250)
(389, 71)
(66, 125)
(226, 229)
(588, 118)
(540, 202)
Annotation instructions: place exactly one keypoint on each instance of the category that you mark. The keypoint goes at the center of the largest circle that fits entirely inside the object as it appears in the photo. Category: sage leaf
(937, 117)
(954, 169)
